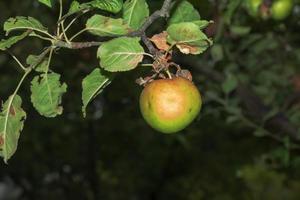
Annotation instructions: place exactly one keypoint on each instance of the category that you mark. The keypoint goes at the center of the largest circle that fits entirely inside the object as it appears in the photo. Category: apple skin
(281, 9)
(170, 105)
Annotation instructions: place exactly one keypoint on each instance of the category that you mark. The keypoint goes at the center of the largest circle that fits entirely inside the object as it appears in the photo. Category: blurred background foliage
(228, 153)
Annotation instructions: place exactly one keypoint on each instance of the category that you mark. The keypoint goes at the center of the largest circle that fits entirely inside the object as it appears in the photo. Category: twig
(64, 32)
(82, 10)
(17, 60)
(163, 12)
(149, 45)
(76, 45)
(59, 17)
(77, 34)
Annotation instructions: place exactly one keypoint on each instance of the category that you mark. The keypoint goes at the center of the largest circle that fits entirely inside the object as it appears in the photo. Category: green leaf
(240, 30)
(135, 13)
(21, 22)
(120, 54)
(48, 3)
(229, 84)
(188, 38)
(12, 119)
(33, 60)
(217, 52)
(46, 94)
(184, 12)
(92, 85)
(106, 26)
(7, 43)
(113, 6)
(74, 7)
(232, 7)
(260, 132)
(202, 24)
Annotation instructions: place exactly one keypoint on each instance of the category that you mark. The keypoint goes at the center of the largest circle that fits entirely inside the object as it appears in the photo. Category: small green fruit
(170, 105)
(281, 9)
(253, 7)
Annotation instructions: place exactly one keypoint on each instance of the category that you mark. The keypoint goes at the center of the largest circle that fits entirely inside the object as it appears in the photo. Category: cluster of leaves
(264, 63)
(122, 52)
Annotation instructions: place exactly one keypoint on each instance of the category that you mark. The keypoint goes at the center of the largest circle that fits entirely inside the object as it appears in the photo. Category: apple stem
(169, 74)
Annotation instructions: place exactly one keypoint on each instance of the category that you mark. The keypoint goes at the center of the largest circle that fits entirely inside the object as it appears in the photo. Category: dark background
(114, 155)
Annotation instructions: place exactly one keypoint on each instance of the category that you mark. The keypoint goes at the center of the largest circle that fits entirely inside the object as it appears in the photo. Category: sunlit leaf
(113, 6)
(188, 38)
(12, 119)
(135, 13)
(74, 7)
(48, 3)
(20, 22)
(7, 43)
(92, 85)
(120, 54)
(46, 94)
(106, 26)
(184, 12)
(32, 60)
(202, 24)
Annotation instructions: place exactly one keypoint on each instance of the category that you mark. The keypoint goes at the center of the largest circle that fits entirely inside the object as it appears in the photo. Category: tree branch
(163, 12)
(149, 45)
(76, 45)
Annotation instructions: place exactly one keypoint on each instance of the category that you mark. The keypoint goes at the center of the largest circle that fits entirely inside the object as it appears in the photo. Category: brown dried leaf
(185, 74)
(186, 49)
(160, 41)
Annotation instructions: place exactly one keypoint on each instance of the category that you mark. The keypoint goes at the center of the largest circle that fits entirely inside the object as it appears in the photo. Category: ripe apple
(170, 105)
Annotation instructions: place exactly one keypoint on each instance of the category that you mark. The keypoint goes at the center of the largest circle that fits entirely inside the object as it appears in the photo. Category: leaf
(188, 38)
(202, 24)
(7, 43)
(74, 7)
(217, 52)
(184, 12)
(232, 7)
(46, 94)
(229, 84)
(12, 119)
(48, 3)
(160, 41)
(135, 13)
(120, 54)
(21, 22)
(106, 26)
(240, 30)
(32, 60)
(232, 119)
(260, 132)
(113, 6)
(92, 85)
